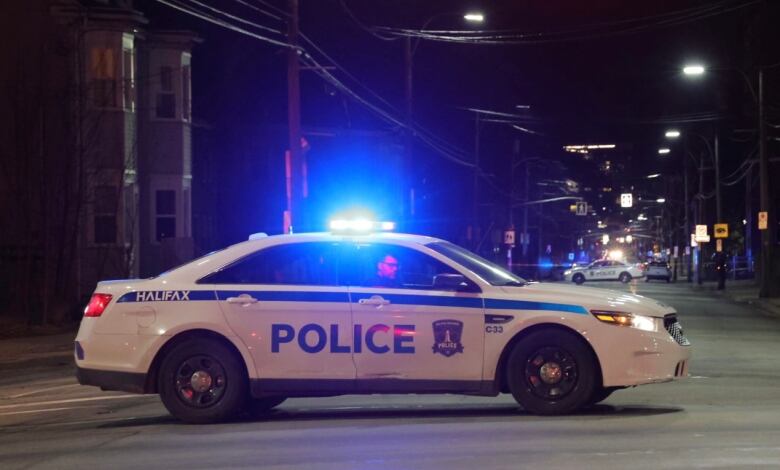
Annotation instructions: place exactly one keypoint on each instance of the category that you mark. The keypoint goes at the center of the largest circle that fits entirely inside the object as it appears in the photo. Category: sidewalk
(743, 291)
(32, 347)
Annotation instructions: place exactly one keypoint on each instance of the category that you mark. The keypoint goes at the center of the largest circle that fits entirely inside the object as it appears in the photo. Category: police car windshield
(490, 272)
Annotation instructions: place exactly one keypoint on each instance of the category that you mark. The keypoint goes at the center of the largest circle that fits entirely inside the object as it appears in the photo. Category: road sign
(626, 200)
(582, 208)
(763, 220)
(718, 245)
(676, 251)
(509, 237)
(701, 234)
(721, 230)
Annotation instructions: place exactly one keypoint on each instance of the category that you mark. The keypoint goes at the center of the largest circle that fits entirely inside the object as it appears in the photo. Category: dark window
(105, 208)
(373, 265)
(166, 105)
(165, 209)
(104, 92)
(314, 264)
(165, 203)
(166, 79)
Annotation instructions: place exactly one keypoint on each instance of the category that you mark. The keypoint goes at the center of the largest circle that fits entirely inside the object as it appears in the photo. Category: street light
(663, 151)
(694, 70)
(474, 17)
(672, 134)
(660, 200)
(654, 175)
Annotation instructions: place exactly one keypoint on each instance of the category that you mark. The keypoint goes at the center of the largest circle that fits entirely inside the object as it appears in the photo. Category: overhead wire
(259, 10)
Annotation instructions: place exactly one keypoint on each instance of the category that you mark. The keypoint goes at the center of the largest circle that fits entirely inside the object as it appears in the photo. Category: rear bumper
(132, 382)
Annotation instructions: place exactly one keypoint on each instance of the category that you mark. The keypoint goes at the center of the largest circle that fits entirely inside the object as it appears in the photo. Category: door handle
(374, 300)
(243, 299)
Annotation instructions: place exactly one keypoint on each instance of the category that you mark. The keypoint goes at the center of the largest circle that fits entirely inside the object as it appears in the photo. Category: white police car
(604, 270)
(303, 316)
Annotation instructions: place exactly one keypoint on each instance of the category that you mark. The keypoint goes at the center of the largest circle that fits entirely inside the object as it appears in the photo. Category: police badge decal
(446, 337)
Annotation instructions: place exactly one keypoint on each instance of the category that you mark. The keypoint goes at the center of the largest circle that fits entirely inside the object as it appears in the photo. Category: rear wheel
(202, 381)
(624, 278)
(551, 372)
(578, 279)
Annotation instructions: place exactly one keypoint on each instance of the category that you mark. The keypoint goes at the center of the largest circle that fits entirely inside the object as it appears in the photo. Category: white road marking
(43, 390)
(37, 411)
(72, 400)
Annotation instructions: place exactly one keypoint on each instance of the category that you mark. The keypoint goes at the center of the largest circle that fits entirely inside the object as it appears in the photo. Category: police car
(244, 328)
(604, 270)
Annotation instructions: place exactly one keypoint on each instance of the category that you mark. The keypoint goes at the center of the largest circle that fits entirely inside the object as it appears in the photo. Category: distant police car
(299, 316)
(603, 270)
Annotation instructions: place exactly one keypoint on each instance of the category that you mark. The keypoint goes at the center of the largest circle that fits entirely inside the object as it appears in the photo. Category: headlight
(567, 272)
(640, 322)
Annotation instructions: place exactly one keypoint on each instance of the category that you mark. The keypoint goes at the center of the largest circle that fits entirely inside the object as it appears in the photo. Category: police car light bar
(360, 225)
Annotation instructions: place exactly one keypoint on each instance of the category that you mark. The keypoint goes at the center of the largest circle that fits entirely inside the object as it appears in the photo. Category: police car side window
(373, 266)
(313, 264)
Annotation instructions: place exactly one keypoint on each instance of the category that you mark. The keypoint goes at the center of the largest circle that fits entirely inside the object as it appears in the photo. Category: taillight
(97, 304)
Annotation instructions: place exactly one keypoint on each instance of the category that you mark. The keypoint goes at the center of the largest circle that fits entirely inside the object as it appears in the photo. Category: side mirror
(456, 282)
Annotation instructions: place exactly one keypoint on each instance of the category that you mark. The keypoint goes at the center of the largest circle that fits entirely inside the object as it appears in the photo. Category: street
(725, 415)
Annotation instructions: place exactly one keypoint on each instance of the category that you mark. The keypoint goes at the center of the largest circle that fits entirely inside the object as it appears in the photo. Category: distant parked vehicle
(658, 270)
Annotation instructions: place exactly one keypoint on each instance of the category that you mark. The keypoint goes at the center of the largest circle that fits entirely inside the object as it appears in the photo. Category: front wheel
(578, 279)
(625, 278)
(202, 381)
(551, 372)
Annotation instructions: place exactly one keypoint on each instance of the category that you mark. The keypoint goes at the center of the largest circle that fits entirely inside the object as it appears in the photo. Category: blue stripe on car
(505, 304)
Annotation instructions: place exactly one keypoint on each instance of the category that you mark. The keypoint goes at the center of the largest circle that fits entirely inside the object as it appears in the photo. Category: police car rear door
(286, 304)
(408, 335)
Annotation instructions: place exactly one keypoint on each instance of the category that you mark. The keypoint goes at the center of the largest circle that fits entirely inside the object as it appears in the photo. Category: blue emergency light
(360, 226)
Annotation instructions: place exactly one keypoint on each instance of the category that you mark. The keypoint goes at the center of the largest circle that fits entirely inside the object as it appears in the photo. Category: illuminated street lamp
(654, 175)
(663, 151)
(672, 134)
(474, 17)
(694, 70)
(660, 200)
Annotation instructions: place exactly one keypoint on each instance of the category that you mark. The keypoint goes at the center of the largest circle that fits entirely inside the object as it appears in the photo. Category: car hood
(590, 298)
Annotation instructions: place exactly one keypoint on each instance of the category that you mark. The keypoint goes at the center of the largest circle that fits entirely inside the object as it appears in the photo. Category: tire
(578, 279)
(601, 394)
(624, 277)
(258, 407)
(202, 381)
(551, 372)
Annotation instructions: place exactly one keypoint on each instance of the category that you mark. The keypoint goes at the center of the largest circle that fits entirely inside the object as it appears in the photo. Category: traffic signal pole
(767, 236)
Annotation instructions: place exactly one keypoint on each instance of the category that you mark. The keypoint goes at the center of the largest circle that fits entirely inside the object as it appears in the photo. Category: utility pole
(718, 213)
(475, 206)
(700, 218)
(407, 187)
(748, 220)
(295, 164)
(526, 238)
(767, 236)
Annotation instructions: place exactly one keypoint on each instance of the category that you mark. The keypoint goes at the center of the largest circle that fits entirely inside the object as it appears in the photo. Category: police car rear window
(313, 264)
(490, 272)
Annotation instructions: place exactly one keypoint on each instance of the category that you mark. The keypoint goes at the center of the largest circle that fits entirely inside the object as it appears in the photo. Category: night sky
(596, 88)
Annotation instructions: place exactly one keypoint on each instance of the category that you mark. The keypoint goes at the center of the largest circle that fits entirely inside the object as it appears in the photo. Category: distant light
(744, 222)
(660, 200)
(605, 239)
(585, 148)
(663, 151)
(672, 134)
(390, 226)
(475, 17)
(615, 255)
(629, 238)
(695, 69)
(654, 175)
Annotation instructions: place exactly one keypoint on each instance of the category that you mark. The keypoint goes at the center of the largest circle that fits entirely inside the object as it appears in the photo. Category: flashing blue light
(360, 225)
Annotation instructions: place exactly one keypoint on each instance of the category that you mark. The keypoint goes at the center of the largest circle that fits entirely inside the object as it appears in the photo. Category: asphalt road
(727, 415)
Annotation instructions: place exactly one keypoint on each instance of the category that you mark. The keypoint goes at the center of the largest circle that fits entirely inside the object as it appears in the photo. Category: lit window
(102, 87)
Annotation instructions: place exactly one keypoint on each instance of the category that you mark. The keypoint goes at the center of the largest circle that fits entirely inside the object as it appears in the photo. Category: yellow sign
(763, 220)
(721, 230)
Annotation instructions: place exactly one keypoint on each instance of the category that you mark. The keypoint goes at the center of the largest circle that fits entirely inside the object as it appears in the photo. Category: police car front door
(285, 303)
(408, 335)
